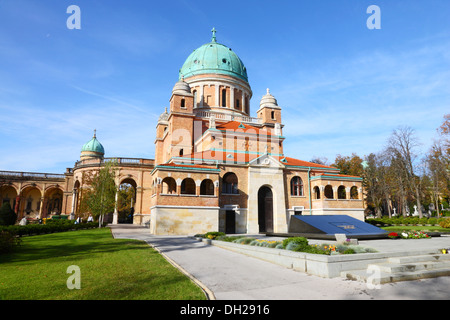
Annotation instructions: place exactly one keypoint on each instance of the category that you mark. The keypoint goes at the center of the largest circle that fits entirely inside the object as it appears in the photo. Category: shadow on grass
(68, 244)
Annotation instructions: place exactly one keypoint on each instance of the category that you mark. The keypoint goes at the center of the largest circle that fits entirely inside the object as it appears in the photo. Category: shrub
(312, 249)
(445, 223)
(8, 241)
(296, 240)
(7, 215)
(348, 251)
(228, 238)
(243, 240)
(35, 229)
(213, 235)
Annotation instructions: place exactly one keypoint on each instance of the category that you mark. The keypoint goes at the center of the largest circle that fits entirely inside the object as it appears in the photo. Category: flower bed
(296, 244)
(409, 235)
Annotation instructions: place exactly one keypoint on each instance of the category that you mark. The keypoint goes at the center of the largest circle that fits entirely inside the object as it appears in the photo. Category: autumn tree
(349, 165)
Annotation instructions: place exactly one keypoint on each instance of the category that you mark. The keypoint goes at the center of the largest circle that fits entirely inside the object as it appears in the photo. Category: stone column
(17, 207)
(232, 98)
(335, 193)
(74, 201)
(116, 213)
(41, 208)
(217, 95)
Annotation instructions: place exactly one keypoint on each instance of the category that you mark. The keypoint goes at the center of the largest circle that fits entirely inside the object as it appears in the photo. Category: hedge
(35, 229)
(386, 221)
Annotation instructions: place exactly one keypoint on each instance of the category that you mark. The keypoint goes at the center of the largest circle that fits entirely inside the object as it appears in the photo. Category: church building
(216, 167)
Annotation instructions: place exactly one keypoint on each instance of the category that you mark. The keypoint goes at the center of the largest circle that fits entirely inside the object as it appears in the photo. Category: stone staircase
(402, 268)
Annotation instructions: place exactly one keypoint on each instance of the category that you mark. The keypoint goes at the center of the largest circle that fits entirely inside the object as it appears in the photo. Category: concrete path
(227, 275)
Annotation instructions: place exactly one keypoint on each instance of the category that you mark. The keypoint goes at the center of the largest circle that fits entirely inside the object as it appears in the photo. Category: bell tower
(270, 114)
(174, 131)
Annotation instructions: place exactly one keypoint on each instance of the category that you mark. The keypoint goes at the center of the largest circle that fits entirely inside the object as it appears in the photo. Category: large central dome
(214, 58)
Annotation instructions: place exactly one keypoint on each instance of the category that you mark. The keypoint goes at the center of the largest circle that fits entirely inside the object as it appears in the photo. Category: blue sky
(342, 87)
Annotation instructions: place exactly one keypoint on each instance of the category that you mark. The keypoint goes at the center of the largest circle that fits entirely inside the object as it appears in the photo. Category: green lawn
(109, 269)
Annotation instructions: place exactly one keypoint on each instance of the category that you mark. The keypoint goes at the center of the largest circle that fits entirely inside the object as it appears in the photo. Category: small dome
(164, 116)
(214, 58)
(93, 146)
(269, 100)
(181, 88)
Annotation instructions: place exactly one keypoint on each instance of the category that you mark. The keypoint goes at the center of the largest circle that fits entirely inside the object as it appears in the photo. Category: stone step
(386, 277)
(427, 257)
(414, 266)
(402, 269)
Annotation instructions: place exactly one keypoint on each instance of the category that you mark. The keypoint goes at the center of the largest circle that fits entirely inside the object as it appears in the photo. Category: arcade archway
(126, 200)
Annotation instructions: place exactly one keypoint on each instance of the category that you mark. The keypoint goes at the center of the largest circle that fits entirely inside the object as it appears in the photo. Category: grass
(110, 269)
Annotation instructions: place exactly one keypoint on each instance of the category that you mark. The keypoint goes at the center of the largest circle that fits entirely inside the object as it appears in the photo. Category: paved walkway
(227, 275)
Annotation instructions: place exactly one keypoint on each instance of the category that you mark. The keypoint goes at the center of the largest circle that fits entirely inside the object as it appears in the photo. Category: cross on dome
(214, 35)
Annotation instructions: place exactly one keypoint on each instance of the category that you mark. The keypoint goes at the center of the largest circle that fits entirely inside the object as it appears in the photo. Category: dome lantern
(214, 58)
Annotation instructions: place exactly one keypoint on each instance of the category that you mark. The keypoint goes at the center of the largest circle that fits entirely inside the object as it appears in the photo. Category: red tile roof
(231, 157)
(242, 127)
(296, 162)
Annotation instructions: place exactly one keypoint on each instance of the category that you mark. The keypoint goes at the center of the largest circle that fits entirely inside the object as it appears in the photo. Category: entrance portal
(230, 221)
(265, 209)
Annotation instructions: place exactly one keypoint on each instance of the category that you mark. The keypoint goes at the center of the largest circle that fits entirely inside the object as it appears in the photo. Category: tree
(320, 160)
(349, 165)
(100, 199)
(402, 145)
(374, 194)
(7, 215)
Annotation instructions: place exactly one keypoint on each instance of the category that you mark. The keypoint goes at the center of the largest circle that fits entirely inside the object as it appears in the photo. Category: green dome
(93, 146)
(216, 58)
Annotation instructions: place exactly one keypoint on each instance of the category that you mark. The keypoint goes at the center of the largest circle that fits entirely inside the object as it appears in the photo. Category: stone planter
(207, 241)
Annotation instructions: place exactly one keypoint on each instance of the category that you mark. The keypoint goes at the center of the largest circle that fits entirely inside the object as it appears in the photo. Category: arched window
(183, 104)
(207, 187)
(224, 97)
(237, 106)
(354, 192)
(181, 152)
(328, 192)
(169, 186)
(296, 186)
(272, 114)
(317, 192)
(230, 184)
(342, 194)
(188, 186)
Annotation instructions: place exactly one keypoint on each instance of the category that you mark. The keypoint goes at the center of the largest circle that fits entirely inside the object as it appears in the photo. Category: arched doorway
(126, 200)
(265, 209)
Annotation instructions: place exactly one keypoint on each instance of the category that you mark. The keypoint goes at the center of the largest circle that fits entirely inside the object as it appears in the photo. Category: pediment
(266, 161)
